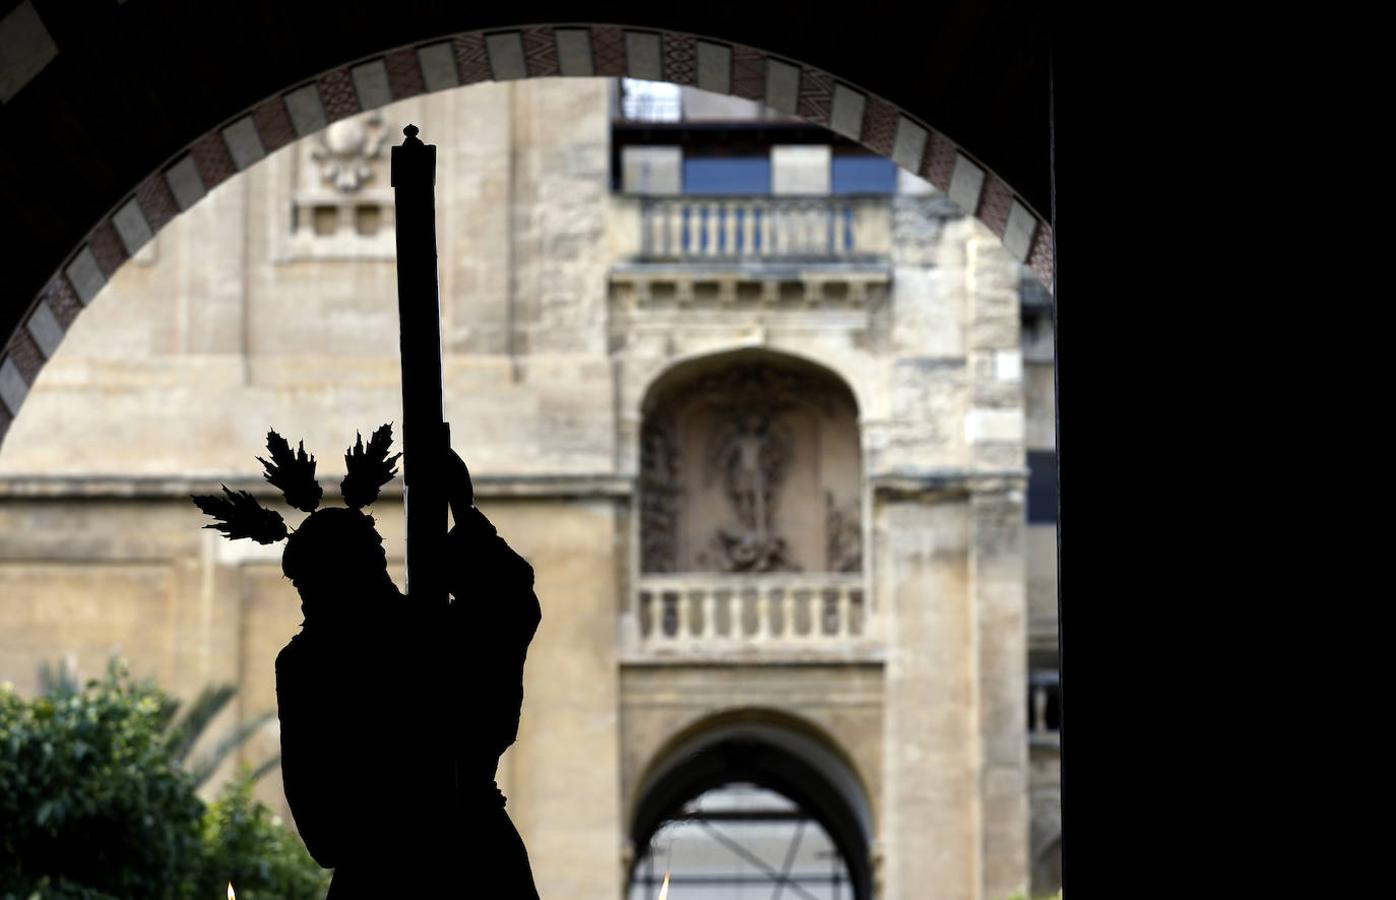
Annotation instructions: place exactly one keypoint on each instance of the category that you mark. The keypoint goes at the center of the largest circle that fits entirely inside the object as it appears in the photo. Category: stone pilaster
(930, 843)
(994, 432)
(998, 600)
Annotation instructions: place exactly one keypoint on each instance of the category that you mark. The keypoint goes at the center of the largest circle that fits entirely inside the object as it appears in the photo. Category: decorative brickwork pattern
(107, 248)
(939, 161)
(214, 162)
(879, 125)
(404, 73)
(540, 52)
(273, 124)
(337, 95)
(62, 300)
(472, 58)
(994, 204)
(608, 50)
(157, 203)
(1040, 260)
(816, 96)
(26, 354)
(680, 58)
(748, 73)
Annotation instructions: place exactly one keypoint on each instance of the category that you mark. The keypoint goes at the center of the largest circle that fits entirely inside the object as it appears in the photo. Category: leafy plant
(95, 805)
(89, 797)
(182, 733)
(247, 845)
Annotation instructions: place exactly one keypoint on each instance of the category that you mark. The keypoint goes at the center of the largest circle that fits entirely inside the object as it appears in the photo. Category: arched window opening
(751, 464)
(742, 840)
(751, 510)
(752, 810)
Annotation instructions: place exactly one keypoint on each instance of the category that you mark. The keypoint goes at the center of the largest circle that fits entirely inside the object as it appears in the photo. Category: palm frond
(58, 681)
(185, 733)
(241, 516)
(166, 713)
(293, 473)
(203, 768)
(265, 768)
(369, 469)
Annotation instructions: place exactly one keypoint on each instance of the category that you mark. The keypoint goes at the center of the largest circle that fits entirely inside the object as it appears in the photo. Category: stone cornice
(894, 484)
(904, 484)
(158, 487)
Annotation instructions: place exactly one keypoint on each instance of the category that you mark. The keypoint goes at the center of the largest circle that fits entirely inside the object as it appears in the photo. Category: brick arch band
(500, 55)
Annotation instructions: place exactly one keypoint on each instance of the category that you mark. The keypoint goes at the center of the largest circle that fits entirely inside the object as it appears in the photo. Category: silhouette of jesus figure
(394, 716)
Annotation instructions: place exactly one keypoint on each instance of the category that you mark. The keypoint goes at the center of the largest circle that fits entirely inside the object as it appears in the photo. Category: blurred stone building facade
(772, 421)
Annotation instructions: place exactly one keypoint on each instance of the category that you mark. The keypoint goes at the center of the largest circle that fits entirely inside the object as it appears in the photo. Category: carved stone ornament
(844, 536)
(751, 453)
(345, 151)
(752, 456)
(659, 499)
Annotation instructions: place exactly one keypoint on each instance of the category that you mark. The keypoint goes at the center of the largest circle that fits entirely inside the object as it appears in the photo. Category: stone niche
(750, 464)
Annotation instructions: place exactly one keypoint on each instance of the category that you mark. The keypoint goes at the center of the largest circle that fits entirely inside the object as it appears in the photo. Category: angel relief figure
(752, 456)
(393, 717)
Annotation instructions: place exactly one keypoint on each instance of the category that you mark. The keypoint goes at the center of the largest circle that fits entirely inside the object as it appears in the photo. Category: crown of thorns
(239, 514)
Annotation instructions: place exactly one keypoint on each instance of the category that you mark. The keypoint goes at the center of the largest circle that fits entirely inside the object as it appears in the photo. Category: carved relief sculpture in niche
(659, 498)
(752, 467)
(345, 151)
(751, 457)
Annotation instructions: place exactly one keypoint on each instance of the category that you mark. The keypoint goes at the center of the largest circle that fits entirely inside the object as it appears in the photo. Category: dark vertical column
(424, 436)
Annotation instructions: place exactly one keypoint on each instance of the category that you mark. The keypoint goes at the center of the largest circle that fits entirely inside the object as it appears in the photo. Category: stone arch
(778, 750)
(680, 368)
(315, 86)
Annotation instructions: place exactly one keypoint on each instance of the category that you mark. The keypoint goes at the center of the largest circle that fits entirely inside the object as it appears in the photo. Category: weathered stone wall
(139, 578)
(660, 703)
(234, 319)
(930, 818)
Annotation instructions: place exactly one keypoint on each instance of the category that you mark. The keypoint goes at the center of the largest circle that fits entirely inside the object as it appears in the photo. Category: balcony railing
(719, 615)
(763, 228)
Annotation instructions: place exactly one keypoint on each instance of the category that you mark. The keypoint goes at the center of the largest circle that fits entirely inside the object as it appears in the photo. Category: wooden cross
(425, 433)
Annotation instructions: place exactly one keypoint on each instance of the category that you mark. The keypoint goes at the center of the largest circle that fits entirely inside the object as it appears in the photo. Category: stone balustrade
(763, 227)
(770, 616)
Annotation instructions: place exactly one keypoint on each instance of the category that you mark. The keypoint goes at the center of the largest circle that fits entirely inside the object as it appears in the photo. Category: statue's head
(336, 554)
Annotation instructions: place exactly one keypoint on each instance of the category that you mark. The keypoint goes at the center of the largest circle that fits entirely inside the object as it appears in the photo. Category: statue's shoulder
(292, 656)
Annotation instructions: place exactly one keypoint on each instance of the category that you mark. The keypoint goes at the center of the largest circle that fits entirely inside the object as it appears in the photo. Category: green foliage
(244, 843)
(59, 682)
(94, 805)
(181, 735)
(89, 796)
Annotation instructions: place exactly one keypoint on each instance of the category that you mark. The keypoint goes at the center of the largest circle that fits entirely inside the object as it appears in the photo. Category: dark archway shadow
(791, 761)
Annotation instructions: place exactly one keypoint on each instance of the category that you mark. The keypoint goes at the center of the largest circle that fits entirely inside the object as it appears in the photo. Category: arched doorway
(224, 138)
(753, 806)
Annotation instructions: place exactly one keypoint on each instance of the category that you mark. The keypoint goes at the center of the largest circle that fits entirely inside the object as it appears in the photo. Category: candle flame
(232, 894)
(664, 889)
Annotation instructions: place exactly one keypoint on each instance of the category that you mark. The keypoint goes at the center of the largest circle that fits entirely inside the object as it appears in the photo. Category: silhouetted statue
(394, 713)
